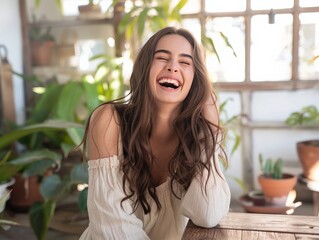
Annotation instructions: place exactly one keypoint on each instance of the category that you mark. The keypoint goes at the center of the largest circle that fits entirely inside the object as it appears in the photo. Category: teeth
(168, 80)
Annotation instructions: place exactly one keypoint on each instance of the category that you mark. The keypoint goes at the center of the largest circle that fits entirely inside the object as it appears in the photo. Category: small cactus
(271, 169)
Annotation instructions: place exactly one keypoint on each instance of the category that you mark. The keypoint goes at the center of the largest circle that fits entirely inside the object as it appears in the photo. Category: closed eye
(162, 58)
(186, 63)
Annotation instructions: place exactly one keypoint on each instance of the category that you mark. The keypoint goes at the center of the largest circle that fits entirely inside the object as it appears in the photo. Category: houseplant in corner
(275, 184)
(308, 150)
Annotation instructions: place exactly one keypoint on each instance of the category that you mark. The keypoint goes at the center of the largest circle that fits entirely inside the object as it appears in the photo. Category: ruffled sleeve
(206, 209)
(107, 219)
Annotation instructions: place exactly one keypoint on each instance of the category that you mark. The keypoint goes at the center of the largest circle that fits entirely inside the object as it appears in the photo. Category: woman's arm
(207, 207)
(108, 219)
(205, 204)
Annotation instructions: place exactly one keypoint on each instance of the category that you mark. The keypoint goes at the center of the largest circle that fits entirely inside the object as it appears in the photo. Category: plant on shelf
(42, 44)
(308, 150)
(275, 184)
(91, 10)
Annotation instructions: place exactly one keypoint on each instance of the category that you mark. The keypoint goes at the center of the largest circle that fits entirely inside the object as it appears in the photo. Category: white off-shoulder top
(108, 220)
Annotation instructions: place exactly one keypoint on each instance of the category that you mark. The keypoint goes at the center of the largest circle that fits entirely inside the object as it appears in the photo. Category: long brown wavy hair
(195, 133)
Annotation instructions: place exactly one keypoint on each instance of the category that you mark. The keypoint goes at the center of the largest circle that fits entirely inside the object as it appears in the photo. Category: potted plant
(92, 10)
(42, 45)
(275, 184)
(308, 150)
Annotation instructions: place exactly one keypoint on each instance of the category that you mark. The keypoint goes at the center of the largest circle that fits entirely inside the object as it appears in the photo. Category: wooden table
(251, 226)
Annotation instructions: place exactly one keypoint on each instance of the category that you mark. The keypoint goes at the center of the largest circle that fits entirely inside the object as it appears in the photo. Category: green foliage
(307, 116)
(40, 34)
(57, 2)
(40, 216)
(231, 124)
(5, 224)
(209, 44)
(271, 168)
(150, 14)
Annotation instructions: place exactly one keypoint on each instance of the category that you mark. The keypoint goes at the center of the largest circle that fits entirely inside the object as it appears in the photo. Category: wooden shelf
(72, 22)
(277, 125)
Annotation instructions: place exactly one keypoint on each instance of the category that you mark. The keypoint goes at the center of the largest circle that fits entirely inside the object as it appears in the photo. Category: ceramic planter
(25, 192)
(276, 191)
(308, 152)
(42, 52)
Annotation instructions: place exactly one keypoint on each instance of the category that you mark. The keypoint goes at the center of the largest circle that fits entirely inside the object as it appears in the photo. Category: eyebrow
(168, 52)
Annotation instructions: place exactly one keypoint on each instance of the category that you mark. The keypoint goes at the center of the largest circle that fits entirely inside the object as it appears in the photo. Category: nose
(171, 67)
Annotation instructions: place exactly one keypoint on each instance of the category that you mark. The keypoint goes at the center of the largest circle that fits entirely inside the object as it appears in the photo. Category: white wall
(10, 36)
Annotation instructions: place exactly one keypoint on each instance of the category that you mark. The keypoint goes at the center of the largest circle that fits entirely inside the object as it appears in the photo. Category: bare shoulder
(103, 132)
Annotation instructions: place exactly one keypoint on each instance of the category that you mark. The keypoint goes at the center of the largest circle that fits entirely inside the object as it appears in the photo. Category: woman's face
(172, 70)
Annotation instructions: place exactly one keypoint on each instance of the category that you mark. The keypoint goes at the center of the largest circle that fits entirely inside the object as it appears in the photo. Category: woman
(152, 159)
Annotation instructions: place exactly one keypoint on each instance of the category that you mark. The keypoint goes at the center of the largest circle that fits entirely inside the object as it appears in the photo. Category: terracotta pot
(42, 52)
(277, 188)
(308, 152)
(24, 193)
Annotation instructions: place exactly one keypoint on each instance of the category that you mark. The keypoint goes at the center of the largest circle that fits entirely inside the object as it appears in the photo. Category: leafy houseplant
(274, 183)
(308, 150)
(53, 128)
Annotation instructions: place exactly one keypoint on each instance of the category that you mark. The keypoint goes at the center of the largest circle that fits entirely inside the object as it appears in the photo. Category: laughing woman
(153, 158)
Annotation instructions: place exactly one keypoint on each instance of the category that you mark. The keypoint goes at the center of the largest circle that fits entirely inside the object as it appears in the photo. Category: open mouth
(169, 83)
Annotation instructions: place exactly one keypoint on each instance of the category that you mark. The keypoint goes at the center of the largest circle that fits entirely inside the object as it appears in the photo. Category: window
(271, 70)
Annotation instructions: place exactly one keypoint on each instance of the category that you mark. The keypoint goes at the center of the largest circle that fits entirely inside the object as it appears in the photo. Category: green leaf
(241, 184)
(91, 93)
(5, 158)
(79, 173)
(76, 134)
(4, 223)
(59, 4)
(52, 187)
(225, 38)
(38, 168)
(13, 136)
(36, 155)
(141, 22)
(236, 144)
(82, 199)
(69, 100)
(7, 171)
(3, 200)
(126, 19)
(40, 216)
(45, 105)
(208, 42)
(175, 14)
(37, 3)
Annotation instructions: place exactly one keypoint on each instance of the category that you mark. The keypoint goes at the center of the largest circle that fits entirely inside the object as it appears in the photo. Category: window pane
(309, 46)
(193, 25)
(271, 47)
(225, 5)
(192, 6)
(230, 68)
(269, 4)
(309, 3)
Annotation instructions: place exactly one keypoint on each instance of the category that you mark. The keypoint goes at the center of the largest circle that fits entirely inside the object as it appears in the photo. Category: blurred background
(262, 57)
